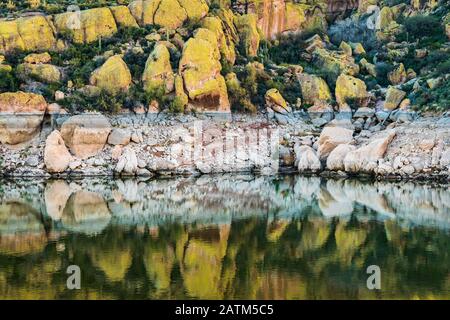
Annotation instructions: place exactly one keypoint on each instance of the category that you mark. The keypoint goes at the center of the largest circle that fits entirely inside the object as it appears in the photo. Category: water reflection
(219, 237)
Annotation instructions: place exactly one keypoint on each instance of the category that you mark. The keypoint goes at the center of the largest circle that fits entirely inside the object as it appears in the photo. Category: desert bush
(422, 26)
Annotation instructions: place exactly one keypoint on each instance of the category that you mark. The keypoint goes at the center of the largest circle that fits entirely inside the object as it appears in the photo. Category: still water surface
(224, 237)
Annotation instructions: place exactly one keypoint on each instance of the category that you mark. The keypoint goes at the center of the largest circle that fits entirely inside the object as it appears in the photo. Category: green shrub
(176, 105)
(8, 82)
(422, 26)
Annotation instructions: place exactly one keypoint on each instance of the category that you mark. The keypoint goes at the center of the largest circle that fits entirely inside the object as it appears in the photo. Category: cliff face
(278, 16)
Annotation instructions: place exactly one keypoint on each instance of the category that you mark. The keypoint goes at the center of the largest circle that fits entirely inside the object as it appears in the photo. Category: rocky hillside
(178, 55)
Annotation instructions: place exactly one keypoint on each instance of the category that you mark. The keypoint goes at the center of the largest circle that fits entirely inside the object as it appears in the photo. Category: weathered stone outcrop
(314, 89)
(86, 26)
(330, 138)
(225, 41)
(113, 76)
(335, 63)
(307, 159)
(158, 70)
(27, 33)
(21, 115)
(128, 163)
(335, 160)
(275, 101)
(85, 134)
(365, 158)
(37, 68)
(56, 155)
(350, 89)
(123, 17)
(203, 82)
(248, 33)
(167, 13)
(394, 97)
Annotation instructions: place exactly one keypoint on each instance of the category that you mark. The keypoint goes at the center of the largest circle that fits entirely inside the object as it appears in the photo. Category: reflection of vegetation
(307, 257)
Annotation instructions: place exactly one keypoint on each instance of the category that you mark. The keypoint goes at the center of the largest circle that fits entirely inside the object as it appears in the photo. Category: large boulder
(128, 163)
(350, 89)
(86, 26)
(335, 160)
(21, 115)
(248, 33)
(275, 101)
(394, 97)
(86, 134)
(170, 14)
(42, 72)
(113, 76)
(56, 156)
(398, 75)
(335, 63)
(226, 44)
(123, 17)
(307, 159)
(195, 9)
(330, 138)
(144, 11)
(158, 70)
(26, 34)
(314, 89)
(203, 82)
(366, 157)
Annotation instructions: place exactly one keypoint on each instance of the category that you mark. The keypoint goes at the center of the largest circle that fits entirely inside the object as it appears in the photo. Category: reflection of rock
(114, 262)
(332, 207)
(202, 262)
(159, 263)
(86, 212)
(21, 231)
(56, 194)
(314, 235)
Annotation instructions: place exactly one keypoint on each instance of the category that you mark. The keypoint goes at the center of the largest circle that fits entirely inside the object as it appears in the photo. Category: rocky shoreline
(147, 145)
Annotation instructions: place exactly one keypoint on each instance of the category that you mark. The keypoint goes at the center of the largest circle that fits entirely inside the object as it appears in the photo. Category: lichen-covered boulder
(207, 35)
(158, 70)
(248, 33)
(346, 48)
(36, 33)
(36, 58)
(42, 72)
(295, 17)
(10, 39)
(335, 63)
(86, 26)
(113, 76)
(394, 97)
(350, 89)
(275, 101)
(226, 44)
(314, 88)
(123, 17)
(56, 156)
(195, 9)
(85, 134)
(27, 33)
(398, 75)
(370, 68)
(170, 14)
(179, 91)
(21, 115)
(144, 11)
(203, 82)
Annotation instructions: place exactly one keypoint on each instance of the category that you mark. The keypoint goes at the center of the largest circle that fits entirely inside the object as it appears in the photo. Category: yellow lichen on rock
(203, 82)
(113, 76)
(294, 17)
(158, 70)
(275, 100)
(248, 32)
(226, 44)
(170, 14)
(195, 9)
(207, 35)
(86, 26)
(179, 90)
(10, 38)
(144, 11)
(314, 89)
(36, 33)
(21, 114)
(123, 17)
(350, 88)
(42, 72)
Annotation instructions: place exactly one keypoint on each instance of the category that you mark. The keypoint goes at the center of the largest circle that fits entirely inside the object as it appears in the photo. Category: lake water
(224, 237)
